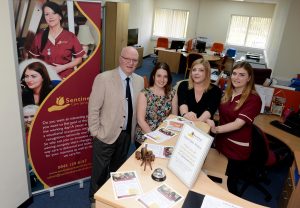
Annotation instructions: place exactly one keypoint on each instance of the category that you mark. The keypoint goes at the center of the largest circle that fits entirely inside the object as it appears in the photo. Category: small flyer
(160, 135)
(125, 184)
(278, 104)
(161, 197)
(160, 151)
(176, 124)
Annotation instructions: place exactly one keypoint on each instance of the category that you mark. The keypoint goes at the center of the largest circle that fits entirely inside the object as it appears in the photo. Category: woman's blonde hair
(206, 65)
(246, 91)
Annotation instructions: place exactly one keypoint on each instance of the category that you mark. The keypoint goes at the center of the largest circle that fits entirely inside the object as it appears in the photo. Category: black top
(28, 98)
(210, 99)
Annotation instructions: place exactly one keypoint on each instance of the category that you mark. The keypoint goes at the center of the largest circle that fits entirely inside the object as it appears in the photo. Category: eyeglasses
(128, 60)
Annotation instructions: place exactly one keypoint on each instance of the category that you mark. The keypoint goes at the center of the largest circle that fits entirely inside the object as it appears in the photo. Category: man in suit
(112, 116)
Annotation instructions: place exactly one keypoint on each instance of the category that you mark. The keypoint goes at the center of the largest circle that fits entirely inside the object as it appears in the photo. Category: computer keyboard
(286, 128)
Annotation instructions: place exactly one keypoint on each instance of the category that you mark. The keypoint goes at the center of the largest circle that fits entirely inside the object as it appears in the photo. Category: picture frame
(189, 154)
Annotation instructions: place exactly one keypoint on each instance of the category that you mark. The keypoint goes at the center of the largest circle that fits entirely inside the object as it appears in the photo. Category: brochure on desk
(189, 154)
(194, 199)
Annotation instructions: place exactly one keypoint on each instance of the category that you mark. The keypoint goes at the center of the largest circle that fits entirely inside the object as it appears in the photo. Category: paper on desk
(213, 202)
(160, 151)
(125, 184)
(161, 197)
(160, 135)
(266, 94)
(176, 124)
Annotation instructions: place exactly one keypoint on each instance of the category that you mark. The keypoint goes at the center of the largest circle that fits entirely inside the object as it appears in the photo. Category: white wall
(286, 63)
(210, 18)
(276, 33)
(140, 16)
(14, 188)
(214, 16)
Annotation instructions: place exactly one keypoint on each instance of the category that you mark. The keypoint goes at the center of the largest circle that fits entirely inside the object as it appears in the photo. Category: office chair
(189, 60)
(261, 74)
(225, 64)
(231, 52)
(146, 82)
(256, 167)
(217, 48)
(162, 42)
(189, 45)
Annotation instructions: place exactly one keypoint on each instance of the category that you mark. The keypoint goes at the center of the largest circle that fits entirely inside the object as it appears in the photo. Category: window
(248, 31)
(170, 23)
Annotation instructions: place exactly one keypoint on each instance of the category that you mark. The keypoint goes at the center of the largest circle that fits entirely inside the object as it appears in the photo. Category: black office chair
(189, 61)
(260, 75)
(256, 168)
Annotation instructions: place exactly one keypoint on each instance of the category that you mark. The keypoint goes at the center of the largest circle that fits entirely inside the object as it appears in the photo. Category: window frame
(168, 34)
(247, 34)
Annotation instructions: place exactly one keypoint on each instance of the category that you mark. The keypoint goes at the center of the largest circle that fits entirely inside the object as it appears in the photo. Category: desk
(105, 197)
(263, 122)
(173, 58)
(291, 192)
(140, 51)
(208, 57)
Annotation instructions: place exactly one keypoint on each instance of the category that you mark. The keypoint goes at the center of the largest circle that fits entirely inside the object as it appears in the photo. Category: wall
(210, 18)
(276, 34)
(286, 64)
(14, 188)
(148, 10)
(140, 16)
(190, 5)
(214, 16)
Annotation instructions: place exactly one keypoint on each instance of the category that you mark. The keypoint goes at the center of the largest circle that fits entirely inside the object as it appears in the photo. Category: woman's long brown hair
(246, 91)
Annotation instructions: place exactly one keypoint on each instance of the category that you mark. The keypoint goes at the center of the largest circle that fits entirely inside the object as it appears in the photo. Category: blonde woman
(198, 99)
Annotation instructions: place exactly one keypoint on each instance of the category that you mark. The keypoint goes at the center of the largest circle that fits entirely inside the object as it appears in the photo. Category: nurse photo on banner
(55, 45)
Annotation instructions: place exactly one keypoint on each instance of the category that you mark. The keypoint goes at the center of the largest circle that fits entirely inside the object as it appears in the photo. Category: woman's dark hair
(57, 10)
(41, 69)
(162, 65)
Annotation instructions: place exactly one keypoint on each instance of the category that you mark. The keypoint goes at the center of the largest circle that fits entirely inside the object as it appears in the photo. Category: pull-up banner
(55, 112)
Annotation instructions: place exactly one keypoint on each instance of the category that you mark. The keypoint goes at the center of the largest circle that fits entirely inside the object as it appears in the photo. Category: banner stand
(52, 189)
(56, 122)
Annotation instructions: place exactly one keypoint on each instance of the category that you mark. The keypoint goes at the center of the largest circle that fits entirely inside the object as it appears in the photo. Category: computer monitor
(201, 45)
(177, 44)
(133, 35)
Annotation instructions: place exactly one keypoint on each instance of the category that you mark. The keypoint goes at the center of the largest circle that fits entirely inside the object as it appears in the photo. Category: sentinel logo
(62, 103)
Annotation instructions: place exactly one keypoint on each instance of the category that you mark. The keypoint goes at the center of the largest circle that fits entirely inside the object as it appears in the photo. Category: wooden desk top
(209, 57)
(263, 121)
(167, 49)
(105, 196)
